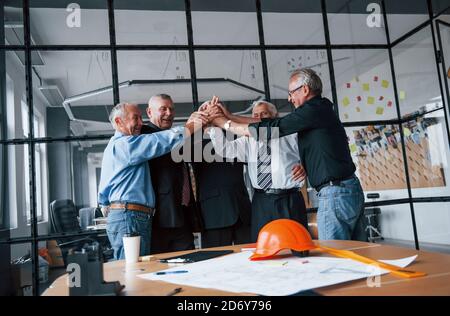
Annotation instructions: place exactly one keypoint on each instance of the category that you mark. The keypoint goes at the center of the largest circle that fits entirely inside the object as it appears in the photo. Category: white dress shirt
(284, 155)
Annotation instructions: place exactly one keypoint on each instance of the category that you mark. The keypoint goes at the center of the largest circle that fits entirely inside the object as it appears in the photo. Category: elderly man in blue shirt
(125, 183)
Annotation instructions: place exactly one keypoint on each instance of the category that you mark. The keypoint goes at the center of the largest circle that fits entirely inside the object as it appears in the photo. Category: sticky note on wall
(402, 95)
(379, 110)
(366, 87)
(385, 83)
(346, 101)
(370, 100)
(353, 148)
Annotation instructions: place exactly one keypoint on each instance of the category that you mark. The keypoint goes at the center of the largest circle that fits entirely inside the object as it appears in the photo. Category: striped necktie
(264, 175)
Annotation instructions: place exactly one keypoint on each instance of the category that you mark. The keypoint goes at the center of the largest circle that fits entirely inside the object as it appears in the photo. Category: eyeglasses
(293, 91)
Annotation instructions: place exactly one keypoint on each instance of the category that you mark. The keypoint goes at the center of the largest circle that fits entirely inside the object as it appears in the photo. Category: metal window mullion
(402, 137)
(31, 153)
(262, 49)
(190, 38)
(329, 55)
(112, 40)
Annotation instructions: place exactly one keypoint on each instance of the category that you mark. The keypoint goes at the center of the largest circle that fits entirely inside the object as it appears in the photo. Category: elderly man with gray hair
(274, 169)
(324, 152)
(125, 181)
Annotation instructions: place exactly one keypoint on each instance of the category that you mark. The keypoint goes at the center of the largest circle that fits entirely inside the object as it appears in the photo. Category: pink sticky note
(358, 98)
(349, 84)
(389, 103)
(375, 78)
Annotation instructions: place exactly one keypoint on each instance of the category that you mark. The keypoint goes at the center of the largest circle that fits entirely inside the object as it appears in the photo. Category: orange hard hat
(282, 234)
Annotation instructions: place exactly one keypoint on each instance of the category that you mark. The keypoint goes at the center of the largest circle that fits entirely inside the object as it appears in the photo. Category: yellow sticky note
(385, 83)
(358, 109)
(346, 101)
(353, 148)
(380, 110)
(366, 87)
(370, 100)
(402, 95)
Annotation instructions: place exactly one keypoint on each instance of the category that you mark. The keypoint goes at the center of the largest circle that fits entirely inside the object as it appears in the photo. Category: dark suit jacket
(167, 180)
(223, 196)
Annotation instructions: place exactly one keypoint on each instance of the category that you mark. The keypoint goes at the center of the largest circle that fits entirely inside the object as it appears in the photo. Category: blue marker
(171, 272)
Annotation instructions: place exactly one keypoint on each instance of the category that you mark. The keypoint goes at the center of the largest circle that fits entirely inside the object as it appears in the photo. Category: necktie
(186, 192)
(193, 181)
(264, 175)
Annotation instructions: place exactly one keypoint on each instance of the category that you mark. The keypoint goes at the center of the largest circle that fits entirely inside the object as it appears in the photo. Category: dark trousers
(171, 239)
(239, 233)
(268, 207)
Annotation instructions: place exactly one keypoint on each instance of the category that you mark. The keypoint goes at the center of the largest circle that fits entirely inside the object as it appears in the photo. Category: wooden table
(436, 265)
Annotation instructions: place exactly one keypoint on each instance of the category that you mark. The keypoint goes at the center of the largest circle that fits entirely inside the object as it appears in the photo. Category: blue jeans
(340, 215)
(121, 222)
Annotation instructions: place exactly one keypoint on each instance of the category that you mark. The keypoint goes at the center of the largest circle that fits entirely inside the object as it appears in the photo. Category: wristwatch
(227, 125)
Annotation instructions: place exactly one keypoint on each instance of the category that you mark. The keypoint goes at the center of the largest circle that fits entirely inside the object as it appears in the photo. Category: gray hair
(307, 76)
(159, 96)
(272, 107)
(119, 111)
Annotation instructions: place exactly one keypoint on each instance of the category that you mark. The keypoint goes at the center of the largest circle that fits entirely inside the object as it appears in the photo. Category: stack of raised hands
(215, 110)
(208, 113)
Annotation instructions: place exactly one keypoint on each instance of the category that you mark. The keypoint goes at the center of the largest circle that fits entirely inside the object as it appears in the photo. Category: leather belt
(277, 191)
(132, 207)
(333, 183)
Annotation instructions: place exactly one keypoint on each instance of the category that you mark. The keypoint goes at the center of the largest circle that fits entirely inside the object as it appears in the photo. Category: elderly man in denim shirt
(125, 183)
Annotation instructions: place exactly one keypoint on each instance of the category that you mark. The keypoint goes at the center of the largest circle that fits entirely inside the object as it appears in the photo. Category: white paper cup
(131, 247)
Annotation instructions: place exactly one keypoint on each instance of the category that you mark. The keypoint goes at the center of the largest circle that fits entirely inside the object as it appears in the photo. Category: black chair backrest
(63, 217)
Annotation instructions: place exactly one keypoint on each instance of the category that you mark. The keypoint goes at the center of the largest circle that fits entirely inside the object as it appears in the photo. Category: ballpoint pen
(174, 291)
(171, 272)
(176, 260)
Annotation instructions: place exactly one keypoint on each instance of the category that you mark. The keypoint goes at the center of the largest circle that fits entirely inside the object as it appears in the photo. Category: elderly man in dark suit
(175, 204)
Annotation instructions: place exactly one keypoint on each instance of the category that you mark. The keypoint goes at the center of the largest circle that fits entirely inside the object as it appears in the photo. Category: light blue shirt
(125, 174)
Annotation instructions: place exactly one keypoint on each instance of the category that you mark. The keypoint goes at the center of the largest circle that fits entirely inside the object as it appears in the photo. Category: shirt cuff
(179, 130)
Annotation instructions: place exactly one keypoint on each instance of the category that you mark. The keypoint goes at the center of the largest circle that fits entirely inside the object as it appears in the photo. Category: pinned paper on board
(385, 83)
(346, 116)
(381, 98)
(375, 78)
(380, 110)
(346, 101)
(358, 109)
(389, 104)
(366, 87)
(370, 100)
(402, 95)
(358, 98)
(353, 148)
(349, 85)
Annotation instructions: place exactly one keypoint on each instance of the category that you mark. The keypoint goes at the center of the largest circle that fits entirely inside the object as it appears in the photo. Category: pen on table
(174, 291)
(171, 272)
(175, 260)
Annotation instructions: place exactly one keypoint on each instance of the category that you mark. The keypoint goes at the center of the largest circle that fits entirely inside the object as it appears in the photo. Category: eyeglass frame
(290, 93)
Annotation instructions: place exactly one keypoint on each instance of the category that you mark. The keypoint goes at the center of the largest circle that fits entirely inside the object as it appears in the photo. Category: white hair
(307, 76)
(272, 108)
(119, 111)
(162, 96)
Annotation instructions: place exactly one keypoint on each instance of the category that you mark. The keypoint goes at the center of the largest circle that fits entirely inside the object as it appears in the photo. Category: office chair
(372, 215)
(63, 219)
